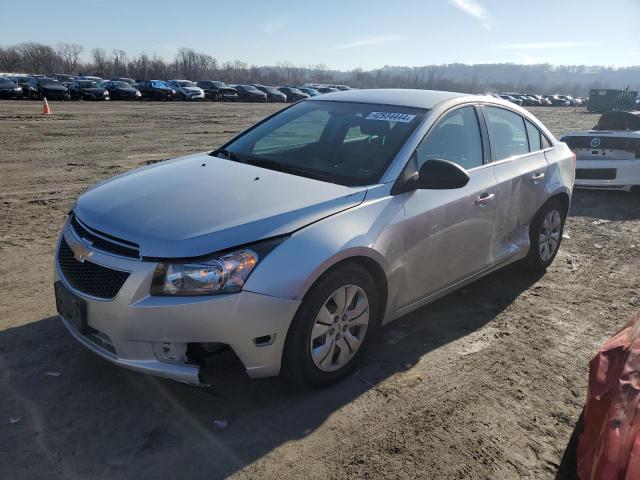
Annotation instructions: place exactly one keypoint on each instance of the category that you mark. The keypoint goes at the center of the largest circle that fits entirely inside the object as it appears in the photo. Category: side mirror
(437, 174)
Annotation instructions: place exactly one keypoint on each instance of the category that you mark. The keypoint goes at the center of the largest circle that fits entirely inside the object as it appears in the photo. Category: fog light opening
(171, 352)
(264, 340)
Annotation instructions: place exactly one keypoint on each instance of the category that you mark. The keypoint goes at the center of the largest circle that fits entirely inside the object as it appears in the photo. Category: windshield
(120, 84)
(6, 83)
(88, 84)
(158, 84)
(186, 83)
(248, 88)
(220, 84)
(338, 142)
(65, 78)
(48, 81)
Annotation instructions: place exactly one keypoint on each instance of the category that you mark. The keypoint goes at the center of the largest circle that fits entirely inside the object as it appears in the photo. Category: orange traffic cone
(45, 108)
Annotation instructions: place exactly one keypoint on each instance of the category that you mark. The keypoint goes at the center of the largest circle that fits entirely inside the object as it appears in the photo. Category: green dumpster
(605, 100)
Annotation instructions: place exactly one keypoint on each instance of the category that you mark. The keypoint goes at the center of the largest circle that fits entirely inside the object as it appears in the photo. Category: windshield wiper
(293, 169)
(226, 153)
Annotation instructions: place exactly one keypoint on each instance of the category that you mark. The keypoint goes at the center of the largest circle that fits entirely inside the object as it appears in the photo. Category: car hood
(199, 204)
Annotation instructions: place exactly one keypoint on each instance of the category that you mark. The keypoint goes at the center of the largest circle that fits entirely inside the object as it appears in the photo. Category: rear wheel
(545, 235)
(331, 330)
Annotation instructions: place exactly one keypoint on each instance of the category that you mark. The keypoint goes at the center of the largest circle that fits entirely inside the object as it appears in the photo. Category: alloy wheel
(549, 237)
(339, 328)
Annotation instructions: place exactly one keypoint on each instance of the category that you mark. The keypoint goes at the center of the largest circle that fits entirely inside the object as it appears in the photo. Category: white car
(187, 90)
(608, 156)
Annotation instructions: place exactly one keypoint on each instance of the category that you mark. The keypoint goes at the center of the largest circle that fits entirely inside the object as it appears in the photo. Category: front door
(446, 233)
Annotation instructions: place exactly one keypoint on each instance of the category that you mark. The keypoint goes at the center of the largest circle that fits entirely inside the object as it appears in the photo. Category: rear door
(520, 168)
(446, 233)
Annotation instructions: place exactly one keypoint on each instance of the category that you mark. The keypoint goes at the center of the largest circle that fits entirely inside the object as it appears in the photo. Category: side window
(545, 141)
(535, 142)
(456, 138)
(507, 133)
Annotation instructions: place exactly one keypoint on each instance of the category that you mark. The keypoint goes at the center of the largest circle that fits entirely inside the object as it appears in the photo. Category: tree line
(38, 58)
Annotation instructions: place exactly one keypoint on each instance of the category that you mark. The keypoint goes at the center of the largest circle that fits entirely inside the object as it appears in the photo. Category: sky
(344, 34)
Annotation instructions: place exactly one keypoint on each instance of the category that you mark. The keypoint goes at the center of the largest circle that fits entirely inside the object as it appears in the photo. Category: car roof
(391, 96)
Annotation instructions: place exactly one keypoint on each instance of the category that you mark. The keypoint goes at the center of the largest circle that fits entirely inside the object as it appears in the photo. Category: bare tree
(10, 59)
(100, 61)
(69, 54)
(38, 58)
(119, 62)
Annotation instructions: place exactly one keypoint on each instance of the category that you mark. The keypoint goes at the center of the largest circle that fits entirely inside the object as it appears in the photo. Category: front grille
(596, 173)
(104, 242)
(89, 278)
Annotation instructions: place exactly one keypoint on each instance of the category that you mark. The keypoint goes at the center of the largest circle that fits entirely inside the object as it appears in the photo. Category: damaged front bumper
(156, 335)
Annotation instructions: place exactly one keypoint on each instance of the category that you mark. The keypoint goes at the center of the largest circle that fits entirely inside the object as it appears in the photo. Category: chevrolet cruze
(298, 239)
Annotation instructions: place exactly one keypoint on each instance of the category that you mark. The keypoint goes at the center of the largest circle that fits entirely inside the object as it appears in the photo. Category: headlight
(224, 274)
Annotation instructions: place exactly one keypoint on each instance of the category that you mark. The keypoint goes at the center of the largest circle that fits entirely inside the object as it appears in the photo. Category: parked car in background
(249, 93)
(312, 92)
(29, 86)
(510, 98)
(9, 89)
(340, 87)
(156, 90)
(127, 80)
(64, 78)
(608, 156)
(218, 91)
(50, 89)
(326, 89)
(293, 94)
(273, 94)
(557, 101)
(91, 78)
(570, 101)
(88, 90)
(187, 90)
(284, 243)
(121, 90)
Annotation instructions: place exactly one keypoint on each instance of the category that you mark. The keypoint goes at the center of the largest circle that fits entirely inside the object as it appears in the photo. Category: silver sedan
(298, 239)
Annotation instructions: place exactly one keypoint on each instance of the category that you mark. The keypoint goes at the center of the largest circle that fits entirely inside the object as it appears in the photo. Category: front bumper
(129, 329)
(625, 177)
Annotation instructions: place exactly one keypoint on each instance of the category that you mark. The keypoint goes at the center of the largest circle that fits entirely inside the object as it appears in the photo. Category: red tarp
(609, 447)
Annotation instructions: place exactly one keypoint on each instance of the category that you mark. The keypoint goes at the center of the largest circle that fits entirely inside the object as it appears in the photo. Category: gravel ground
(485, 383)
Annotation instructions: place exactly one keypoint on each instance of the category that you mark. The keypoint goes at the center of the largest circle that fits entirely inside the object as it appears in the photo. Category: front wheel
(545, 235)
(330, 331)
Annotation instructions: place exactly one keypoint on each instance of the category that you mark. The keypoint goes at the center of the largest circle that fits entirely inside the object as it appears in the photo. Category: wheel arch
(563, 197)
(365, 258)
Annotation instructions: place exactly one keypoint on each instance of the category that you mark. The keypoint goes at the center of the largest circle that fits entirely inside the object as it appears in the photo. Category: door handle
(484, 199)
(536, 177)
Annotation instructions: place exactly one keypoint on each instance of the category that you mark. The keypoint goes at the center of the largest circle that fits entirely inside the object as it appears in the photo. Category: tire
(545, 223)
(299, 363)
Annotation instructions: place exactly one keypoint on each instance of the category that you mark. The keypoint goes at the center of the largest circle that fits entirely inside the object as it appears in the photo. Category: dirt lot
(485, 383)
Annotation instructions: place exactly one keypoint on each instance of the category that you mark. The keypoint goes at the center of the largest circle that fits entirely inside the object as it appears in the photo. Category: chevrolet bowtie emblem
(80, 251)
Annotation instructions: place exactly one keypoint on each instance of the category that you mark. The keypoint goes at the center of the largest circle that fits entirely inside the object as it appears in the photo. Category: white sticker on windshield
(391, 117)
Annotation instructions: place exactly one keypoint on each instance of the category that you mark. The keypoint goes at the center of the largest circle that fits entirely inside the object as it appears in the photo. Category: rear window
(507, 133)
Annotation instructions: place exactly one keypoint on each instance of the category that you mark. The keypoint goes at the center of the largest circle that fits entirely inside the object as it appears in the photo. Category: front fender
(362, 231)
